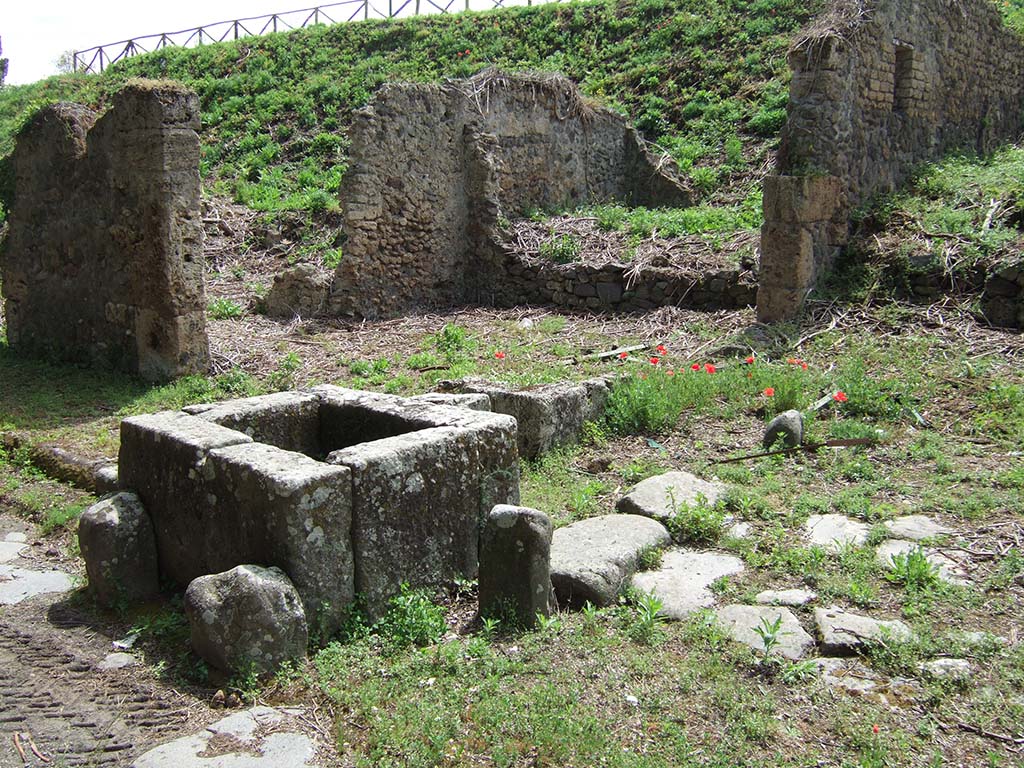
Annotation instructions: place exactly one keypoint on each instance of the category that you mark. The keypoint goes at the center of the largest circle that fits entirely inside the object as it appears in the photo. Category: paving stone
(661, 496)
(834, 531)
(117, 661)
(953, 670)
(916, 528)
(739, 530)
(791, 597)
(743, 621)
(846, 633)
(683, 582)
(949, 570)
(857, 678)
(17, 584)
(16, 537)
(593, 559)
(256, 738)
(11, 550)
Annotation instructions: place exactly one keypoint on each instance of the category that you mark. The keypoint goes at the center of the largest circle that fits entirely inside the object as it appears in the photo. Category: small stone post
(515, 565)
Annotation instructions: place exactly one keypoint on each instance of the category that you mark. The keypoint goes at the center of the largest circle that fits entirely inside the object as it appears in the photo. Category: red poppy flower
(769, 391)
(874, 728)
(500, 355)
(670, 372)
(710, 368)
(803, 365)
(695, 367)
(623, 355)
(660, 349)
(840, 396)
(749, 360)
(655, 360)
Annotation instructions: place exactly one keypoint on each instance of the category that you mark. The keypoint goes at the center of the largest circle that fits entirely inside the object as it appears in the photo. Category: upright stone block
(515, 565)
(119, 549)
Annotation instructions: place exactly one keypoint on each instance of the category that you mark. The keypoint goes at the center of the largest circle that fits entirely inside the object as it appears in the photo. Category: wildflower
(840, 396)
(660, 349)
(803, 365)
(623, 355)
(710, 368)
(460, 54)
(874, 728)
(467, 51)
(655, 360)
(670, 372)
(749, 360)
(695, 367)
(499, 355)
(769, 391)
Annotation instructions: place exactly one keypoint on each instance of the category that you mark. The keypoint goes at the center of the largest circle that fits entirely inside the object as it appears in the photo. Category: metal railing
(96, 59)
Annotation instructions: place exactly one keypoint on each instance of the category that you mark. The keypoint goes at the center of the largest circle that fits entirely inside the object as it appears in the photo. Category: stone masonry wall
(103, 259)
(878, 88)
(435, 167)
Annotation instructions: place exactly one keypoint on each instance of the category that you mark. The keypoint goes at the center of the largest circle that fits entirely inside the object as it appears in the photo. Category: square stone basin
(350, 493)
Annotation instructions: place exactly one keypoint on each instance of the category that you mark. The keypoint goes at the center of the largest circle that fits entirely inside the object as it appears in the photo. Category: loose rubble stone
(846, 633)
(248, 615)
(17, 584)
(300, 291)
(593, 559)
(948, 569)
(742, 622)
(515, 565)
(787, 426)
(119, 548)
(953, 670)
(739, 530)
(105, 478)
(791, 597)
(833, 532)
(683, 582)
(116, 661)
(915, 528)
(661, 496)
(261, 737)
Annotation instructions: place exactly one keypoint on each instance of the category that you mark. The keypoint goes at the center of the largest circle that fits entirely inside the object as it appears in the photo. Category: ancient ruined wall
(435, 167)
(878, 88)
(103, 259)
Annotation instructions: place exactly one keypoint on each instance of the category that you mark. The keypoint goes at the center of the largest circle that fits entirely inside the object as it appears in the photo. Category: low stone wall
(103, 260)
(613, 288)
(878, 87)
(435, 167)
(1002, 300)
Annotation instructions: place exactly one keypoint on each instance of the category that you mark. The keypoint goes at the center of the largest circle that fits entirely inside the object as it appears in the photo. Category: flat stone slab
(743, 621)
(683, 582)
(17, 584)
(953, 670)
(255, 738)
(948, 570)
(833, 532)
(857, 678)
(846, 633)
(593, 559)
(16, 537)
(661, 496)
(916, 528)
(791, 597)
(11, 550)
(117, 660)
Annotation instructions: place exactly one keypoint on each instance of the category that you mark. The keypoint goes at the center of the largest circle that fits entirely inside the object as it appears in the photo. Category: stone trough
(347, 492)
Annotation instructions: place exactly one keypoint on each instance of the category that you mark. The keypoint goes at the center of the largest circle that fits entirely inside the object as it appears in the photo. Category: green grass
(707, 80)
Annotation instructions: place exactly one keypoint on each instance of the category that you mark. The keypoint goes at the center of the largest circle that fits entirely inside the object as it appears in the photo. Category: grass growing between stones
(945, 414)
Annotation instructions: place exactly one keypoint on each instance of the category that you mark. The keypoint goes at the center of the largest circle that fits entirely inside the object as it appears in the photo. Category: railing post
(417, 7)
(275, 22)
(74, 61)
(366, 9)
(316, 16)
(101, 60)
(390, 9)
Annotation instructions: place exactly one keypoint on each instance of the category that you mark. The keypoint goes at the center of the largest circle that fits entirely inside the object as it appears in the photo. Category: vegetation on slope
(707, 80)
